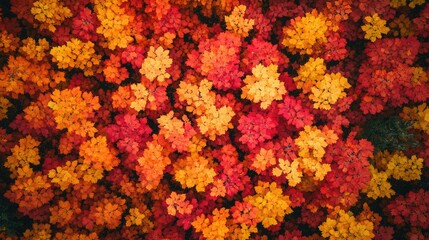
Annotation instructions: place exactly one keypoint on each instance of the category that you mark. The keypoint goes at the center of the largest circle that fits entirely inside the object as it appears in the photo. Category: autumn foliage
(232, 119)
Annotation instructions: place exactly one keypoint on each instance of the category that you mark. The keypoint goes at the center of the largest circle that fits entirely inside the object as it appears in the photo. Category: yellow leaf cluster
(401, 167)
(309, 74)
(263, 86)
(34, 50)
(214, 228)
(378, 186)
(401, 26)
(291, 170)
(215, 121)
(312, 143)
(200, 100)
(77, 54)
(374, 27)
(50, 13)
(8, 42)
(328, 90)
(114, 23)
(419, 76)
(134, 218)
(306, 34)
(241, 232)
(418, 115)
(4, 105)
(325, 89)
(381, 160)
(236, 23)
(197, 144)
(271, 203)
(414, 3)
(141, 94)
(156, 63)
(89, 173)
(198, 97)
(23, 154)
(398, 3)
(65, 175)
(343, 225)
(194, 171)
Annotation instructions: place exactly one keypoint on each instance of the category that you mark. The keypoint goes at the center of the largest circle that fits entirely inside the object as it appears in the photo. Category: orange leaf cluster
(38, 231)
(23, 155)
(97, 155)
(77, 54)
(115, 23)
(39, 115)
(13, 76)
(72, 110)
(65, 175)
(123, 97)
(152, 163)
(177, 132)
(194, 171)
(213, 226)
(34, 50)
(8, 42)
(271, 203)
(156, 64)
(20, 76)
(108, 212)
(50, 13)
(262, 160)
(236, 22)
(176, 203)
(198, 97)
(4, 105)
(30, 192)
(63, 212)
(112, 70)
